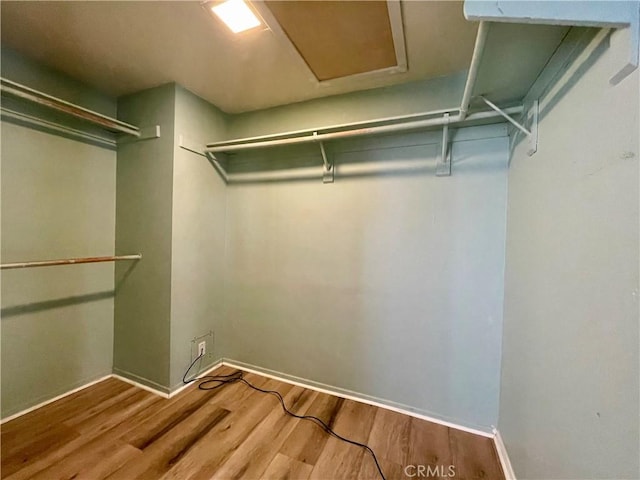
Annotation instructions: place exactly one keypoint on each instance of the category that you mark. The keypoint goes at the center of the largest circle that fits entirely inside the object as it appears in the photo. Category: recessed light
(236, 15)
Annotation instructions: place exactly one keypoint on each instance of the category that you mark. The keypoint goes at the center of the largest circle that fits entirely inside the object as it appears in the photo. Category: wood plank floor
(113, 430)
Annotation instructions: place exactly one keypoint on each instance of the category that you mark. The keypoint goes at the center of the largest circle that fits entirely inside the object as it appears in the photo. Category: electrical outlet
(202, 346)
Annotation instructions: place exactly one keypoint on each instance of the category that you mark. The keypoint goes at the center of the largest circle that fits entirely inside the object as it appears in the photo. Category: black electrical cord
(220, 380)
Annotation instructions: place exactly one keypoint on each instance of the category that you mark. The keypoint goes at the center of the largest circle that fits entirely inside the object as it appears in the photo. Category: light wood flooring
(113, 430)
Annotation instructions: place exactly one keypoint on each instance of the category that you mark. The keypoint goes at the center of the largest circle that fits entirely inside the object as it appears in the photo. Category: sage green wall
(144, 224)
(569, 403)
(171, 207)
(414, 97)
(58, 201)
(388, 282)
(21, 69)
(198, 234)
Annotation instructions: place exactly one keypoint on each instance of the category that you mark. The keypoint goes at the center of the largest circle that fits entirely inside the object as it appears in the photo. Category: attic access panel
(338, 39)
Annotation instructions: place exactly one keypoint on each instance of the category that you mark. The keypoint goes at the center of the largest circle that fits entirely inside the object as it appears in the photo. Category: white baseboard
(142, 382)
(159, 392)
(130, 381)
(350, 395)
(301, 382)
(120, 377)
(507, 469)
(54, 399)
(217, 364)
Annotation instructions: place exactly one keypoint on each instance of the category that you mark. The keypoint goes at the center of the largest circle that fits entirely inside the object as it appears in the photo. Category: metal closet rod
(447, 118)
(69, 261)
(21, 91)
(340, 126)
(365, 131)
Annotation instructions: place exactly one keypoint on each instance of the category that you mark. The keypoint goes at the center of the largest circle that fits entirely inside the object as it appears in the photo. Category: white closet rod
(38, 122)
(40, 98)
(340, 126)
(364, 131)
(69, 261)
(315, 135)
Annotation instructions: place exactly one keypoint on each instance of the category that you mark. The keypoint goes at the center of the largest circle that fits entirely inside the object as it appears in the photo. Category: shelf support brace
(531, 133)
(507, 117)
(443, 165)
(216, 164)
(327, 167)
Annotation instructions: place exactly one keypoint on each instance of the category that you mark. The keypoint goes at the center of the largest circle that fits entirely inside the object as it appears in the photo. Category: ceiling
(125, 47)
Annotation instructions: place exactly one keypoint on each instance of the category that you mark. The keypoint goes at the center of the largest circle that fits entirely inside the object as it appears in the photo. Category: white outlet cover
(195, 344)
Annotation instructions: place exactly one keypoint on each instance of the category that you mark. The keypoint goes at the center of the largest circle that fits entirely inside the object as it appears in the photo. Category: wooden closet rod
(69, 261)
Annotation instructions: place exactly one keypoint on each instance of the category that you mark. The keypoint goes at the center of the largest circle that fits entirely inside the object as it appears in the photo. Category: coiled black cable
(220, 380)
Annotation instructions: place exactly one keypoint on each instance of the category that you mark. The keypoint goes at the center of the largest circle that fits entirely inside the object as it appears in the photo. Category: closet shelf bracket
(146, 133)
(327, 166)
(506, 116)
(531, 120)
(443, 165)
(215, 161)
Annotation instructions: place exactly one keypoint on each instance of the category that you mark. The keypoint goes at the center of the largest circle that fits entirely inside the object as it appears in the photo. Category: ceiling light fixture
(237, 15)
